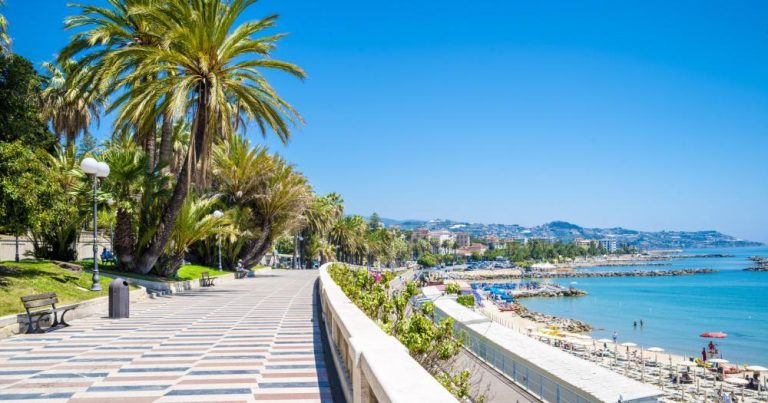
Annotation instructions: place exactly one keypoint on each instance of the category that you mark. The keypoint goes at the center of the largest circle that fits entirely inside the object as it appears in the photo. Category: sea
(676, 310)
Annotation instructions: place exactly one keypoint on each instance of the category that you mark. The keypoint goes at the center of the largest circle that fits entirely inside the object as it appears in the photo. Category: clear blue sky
(644, 114)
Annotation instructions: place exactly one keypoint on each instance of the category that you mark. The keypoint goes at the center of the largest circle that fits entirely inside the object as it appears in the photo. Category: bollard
(119, 298)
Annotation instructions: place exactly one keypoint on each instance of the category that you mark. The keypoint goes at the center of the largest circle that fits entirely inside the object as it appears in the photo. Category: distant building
(608, 244)
(462, 239)
(441, 236)
(474, 248)
(584, 243)
(419, 233)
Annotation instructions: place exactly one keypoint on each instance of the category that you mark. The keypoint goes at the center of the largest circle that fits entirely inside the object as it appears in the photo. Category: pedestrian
(641, 323)
(634, 324)
(703, 354)
(615, 336)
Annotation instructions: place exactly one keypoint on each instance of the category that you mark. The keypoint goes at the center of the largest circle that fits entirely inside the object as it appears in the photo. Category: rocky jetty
(506, 274)
(570, 325)
(701, 256)
(761, 264)
(549, 292)
(629, 273)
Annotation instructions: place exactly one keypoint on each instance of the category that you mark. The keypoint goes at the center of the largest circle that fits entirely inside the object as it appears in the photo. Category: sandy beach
(623, 359)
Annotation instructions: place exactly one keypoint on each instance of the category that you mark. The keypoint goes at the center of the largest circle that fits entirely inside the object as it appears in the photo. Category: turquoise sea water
(677, 309)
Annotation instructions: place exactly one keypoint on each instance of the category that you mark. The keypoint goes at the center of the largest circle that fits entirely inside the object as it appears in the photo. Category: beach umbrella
(718, 361)
(734, 380)
(656, 351)
(605, 341)
(714, 335)
(629, 344)
(756, 368)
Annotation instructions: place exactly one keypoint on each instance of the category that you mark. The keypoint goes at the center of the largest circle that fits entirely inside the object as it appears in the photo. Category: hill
(566, 232)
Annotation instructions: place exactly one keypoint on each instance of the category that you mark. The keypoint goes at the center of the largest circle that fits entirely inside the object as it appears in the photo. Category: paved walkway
(247, 340)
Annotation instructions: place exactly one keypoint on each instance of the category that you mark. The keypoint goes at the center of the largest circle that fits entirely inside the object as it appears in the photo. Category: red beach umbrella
(714, 335)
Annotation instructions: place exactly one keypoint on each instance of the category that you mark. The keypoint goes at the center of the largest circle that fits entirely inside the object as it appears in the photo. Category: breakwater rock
(547, 293)
(498, 275)
(567, 324)
(631, 273)
(761, 264)
(700, 255)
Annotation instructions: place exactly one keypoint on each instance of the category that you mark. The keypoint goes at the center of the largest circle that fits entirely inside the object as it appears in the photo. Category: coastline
(537, 325)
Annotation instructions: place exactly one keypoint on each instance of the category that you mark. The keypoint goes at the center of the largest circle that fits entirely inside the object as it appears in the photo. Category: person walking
(615, 336)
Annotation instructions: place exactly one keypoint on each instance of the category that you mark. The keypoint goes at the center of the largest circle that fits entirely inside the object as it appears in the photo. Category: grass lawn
(187, 272)
(26, 278)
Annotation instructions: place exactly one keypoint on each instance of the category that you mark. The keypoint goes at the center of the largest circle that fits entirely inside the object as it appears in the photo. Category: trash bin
(119, 298)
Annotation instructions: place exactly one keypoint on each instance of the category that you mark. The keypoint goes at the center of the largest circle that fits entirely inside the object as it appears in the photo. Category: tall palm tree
(205, 67)
(349, 235)
(68, 102)
(101, 31)
(279, 210)
(271, 195)
(319, 220)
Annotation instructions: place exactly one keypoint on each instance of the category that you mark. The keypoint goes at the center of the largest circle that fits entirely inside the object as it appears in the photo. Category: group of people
(634, 324)
(709, 351)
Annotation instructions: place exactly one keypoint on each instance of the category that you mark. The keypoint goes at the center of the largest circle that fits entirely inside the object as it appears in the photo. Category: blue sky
(644, 114)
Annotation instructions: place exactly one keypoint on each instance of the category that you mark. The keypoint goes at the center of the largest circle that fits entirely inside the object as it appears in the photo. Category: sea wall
(372, 366)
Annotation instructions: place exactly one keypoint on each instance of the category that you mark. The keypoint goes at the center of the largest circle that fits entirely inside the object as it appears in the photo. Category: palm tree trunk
(150, 146)
(124, 240)
(171, 211)
(155, 247)
(255, 251)
(166, 140)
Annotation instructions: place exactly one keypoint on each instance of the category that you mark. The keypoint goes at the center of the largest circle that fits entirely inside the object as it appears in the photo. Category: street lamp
(296, 243)
(218, 214)
(110, 202)
(97, 170)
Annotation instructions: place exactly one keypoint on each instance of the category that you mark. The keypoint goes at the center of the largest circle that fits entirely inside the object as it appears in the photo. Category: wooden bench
(241, 274)
(39, 301)
(206, 280)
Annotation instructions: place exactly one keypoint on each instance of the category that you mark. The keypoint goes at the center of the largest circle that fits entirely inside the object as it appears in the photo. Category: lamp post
(110, 202)
(218, 214)
(97, 170)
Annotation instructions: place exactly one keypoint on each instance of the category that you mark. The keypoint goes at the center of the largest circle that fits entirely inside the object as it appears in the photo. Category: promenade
(248, 340)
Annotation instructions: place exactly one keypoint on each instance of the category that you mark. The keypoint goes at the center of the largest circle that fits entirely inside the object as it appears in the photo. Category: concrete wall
(373, 366)
(84, 247)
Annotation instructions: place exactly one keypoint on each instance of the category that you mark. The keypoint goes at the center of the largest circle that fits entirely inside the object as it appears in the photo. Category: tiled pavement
(248, 340)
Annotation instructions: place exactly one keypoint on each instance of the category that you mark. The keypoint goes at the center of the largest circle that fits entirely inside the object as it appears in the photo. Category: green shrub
(452, 288)
(467, 300)
(430, 344)
(427, 260)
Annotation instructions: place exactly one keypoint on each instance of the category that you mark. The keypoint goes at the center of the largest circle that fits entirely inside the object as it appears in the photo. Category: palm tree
(126, 185)
(5, 40)
(204, 67)
(195, 222)
(348, 234)
(102, 30)
(271, 195)
(279, 210)
(319, 220)
(68, 103)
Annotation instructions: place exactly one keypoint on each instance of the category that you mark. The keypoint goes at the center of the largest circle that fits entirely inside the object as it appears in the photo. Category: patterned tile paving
(250, 340)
